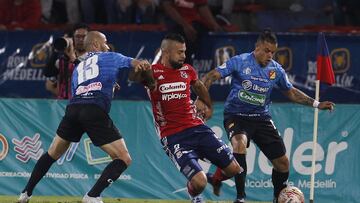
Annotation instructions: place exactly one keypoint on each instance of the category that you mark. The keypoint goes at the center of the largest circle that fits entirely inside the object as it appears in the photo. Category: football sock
(219, 175)
(40, 169)
(279, 180)
(240, 178)
(111, 173)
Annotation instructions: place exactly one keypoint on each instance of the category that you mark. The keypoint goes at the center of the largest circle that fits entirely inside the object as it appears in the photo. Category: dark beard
(176, 65)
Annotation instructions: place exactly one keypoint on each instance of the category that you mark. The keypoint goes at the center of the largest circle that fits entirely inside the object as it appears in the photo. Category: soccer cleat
(88, 199)
(23, 198)
(215, 184)
(197, 199)
(239, 200)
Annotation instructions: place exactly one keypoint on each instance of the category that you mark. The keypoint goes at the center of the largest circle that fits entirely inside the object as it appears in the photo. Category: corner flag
(324, 68)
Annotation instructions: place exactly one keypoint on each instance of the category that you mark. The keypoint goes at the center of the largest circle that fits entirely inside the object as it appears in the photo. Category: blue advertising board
(23, 56)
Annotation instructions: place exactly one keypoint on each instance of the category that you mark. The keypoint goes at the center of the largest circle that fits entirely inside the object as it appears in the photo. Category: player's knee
(127, 160)
(239, 143)
(199, 182)
(233, 169)
(281, 164)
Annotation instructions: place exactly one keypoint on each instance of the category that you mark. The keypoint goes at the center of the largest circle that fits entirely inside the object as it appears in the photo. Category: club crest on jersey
(247, 71)
(183, 74)
(272, 75)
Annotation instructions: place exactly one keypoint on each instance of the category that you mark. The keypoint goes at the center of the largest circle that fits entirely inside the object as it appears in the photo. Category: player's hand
(143, 65)
(202, 110)
(326, 105)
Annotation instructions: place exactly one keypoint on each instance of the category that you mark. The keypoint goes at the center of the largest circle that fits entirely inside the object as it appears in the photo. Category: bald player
(87, 111)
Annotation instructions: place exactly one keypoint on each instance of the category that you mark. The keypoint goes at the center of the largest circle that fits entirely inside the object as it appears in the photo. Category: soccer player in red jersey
(183, 133)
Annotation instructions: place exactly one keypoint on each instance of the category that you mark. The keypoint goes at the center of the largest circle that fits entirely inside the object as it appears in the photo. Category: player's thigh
(181, 152)
(58, 147)
(268, 139)
(215, 150)
(99, 126)
(70, 129)
(239, 132)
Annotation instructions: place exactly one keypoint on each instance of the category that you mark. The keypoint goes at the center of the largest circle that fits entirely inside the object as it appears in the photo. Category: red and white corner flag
(325, 71)
(325, 74)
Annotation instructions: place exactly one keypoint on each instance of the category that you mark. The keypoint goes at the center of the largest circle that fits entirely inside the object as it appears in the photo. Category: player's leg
(58, 147)
(120, 161)
(103, 133)
(271, 144)
(238, 131)
(182, 150)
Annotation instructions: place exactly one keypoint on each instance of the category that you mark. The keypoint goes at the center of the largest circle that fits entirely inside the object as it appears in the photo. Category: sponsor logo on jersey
(90, 87)
(168, 97)
(283, 55)
(252, 98)
(247, 84)
(172, 87)
(259, 88)
(340, 59)
(259, 79)
(183, 74)
(222, 54)
(272, 75)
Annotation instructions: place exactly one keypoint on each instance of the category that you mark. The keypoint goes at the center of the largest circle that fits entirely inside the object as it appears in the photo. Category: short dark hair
(175, 37)
(267, 36)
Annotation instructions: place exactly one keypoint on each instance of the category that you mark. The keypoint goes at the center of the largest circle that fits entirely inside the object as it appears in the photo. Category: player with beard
(184, 136)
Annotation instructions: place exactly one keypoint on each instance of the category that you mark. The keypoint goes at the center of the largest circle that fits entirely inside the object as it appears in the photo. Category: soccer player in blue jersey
(246, 114)
(92, 88)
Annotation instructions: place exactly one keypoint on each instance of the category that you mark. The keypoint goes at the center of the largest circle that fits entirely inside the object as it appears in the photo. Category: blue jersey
(251, 85)
(94, 78)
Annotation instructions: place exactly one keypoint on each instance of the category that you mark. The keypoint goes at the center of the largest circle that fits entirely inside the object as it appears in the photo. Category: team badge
(283, 55)
(340, 59)
(247, 71)
(183, 74)
(272, 75)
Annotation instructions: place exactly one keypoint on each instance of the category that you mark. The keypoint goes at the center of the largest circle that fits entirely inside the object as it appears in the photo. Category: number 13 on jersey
(88, 69)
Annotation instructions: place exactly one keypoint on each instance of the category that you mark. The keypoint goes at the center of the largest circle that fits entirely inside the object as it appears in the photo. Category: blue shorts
(199, 142)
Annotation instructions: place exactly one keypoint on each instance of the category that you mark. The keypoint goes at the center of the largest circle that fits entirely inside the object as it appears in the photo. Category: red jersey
(171, 103)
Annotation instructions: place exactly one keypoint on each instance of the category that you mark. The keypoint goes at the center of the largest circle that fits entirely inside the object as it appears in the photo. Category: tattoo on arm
(300, 97)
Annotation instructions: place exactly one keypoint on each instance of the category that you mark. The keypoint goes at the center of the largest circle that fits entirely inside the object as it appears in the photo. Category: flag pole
(316, 113)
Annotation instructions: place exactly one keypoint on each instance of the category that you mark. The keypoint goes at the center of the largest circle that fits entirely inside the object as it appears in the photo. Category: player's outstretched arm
(141, 72)
(295, 95)
(210, 77)
(203, 95)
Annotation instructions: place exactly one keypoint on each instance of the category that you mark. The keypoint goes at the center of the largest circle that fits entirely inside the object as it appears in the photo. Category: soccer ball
(291, 194)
